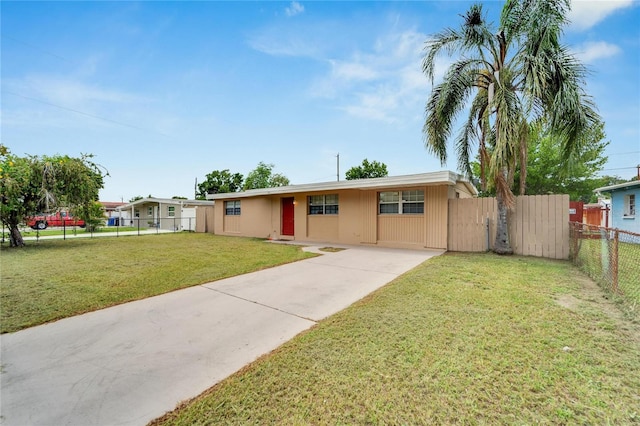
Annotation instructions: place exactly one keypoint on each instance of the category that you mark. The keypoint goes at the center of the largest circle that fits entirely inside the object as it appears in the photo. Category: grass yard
(53, 279)
(463, 338)
(594, 259)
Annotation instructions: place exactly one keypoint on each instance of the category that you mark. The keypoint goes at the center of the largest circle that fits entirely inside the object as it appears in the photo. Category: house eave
(171, 201)
(618, 187)
(422, 179)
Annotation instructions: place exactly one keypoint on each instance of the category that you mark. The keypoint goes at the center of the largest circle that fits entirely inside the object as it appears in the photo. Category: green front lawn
(464, 339)
(53, 279)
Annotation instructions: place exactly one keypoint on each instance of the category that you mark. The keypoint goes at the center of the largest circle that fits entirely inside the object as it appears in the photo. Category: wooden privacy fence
(204, 219)
(538, 226)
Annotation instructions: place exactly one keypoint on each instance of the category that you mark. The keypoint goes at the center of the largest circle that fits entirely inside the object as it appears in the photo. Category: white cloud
(381, 81)
(67, 92)
(294, 9)
(376, 104)
(291, 41)
(590, 52)
(352, 70)
(585, 14)
(384, 83)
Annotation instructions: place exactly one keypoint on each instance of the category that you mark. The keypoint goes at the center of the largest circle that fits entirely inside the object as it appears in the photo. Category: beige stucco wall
(358, 221)
(254, 219)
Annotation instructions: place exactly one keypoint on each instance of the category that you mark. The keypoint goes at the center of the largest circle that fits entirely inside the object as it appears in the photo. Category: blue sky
(163, 93)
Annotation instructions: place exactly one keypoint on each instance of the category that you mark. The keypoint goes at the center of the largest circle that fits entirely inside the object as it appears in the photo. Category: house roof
(618, 187)
(111, 205)
(172, 201)
(433, 178)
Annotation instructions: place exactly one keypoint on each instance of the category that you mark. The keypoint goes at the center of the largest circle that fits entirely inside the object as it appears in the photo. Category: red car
(56, 219)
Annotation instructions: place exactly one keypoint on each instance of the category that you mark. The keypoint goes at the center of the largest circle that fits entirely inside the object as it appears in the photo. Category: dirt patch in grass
(331, 249)
(589, 296)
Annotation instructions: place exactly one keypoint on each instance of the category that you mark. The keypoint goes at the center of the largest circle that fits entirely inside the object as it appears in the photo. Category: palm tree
(512, 75)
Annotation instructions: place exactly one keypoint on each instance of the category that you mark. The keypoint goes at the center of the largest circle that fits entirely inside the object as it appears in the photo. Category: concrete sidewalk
(131, 363)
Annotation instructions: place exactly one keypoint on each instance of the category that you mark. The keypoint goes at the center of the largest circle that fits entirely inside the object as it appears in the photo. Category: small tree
(29, 185)
(219, 181)
(367, 170)
(548, 172)
(263, 177)
(93, 215)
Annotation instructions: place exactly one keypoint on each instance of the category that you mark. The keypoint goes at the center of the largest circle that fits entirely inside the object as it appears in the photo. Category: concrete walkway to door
(131, 363)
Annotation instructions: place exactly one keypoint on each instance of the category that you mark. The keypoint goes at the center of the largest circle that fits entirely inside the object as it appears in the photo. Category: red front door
(287, 216)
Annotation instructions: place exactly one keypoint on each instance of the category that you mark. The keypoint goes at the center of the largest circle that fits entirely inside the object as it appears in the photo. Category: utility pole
(338, 166)
(195, 190)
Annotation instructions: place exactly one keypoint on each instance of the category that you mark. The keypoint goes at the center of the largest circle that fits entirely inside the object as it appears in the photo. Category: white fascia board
(434, 178)
(170, 201)
(618, 186)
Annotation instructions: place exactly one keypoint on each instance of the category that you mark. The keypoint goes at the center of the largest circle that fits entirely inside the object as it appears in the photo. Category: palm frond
(446, 101)
(448, 39)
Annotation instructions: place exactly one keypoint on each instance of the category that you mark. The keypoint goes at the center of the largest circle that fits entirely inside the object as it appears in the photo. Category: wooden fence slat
(539, 226)
(551, 243)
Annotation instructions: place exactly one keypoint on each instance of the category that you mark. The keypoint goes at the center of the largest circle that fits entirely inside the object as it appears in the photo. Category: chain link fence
(611, 257)
(112, 227)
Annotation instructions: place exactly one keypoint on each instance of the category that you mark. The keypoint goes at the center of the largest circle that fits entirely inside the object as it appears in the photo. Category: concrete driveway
(131, 363)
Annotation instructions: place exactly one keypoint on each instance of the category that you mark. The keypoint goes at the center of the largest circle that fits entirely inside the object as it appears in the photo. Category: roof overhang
(620, 186)
(171, 201)
(423, 179)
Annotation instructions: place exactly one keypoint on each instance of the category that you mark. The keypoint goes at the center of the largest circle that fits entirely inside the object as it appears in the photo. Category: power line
(620, 168)
(36, 48)
(85, 113)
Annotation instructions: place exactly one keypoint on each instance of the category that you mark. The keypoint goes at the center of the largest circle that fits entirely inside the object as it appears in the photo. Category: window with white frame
(401, 202)
(149, 211)
(630, 205)
(232, 208)
(323, 204)
(136, 213)
(171, 211)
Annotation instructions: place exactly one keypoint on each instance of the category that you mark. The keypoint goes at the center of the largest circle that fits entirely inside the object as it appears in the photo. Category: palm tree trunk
(502, 244)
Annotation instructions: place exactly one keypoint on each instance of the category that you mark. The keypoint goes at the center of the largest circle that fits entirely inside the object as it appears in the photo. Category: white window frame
(629, 206)
(399, 202)
(328, 204)
(171, 211)
(150, 211)
(232, 208)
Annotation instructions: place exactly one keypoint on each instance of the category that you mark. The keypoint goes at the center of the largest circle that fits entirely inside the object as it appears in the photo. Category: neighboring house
(624, 205)
(402, 211)
(113, 215)
(597, 214)
(164, 213)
